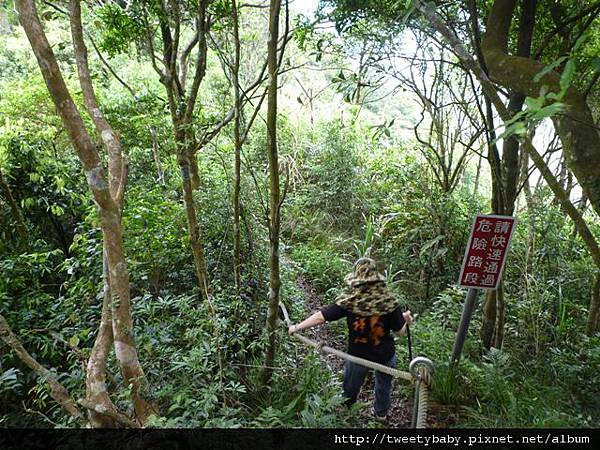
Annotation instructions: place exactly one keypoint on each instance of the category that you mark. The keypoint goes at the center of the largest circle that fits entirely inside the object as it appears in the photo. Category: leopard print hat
(366, 293)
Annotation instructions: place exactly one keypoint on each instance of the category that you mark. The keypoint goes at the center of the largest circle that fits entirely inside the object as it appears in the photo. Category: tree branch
(57, 391)
(110, 139)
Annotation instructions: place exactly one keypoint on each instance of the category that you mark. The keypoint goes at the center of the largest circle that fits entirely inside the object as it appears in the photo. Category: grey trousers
(354, 376)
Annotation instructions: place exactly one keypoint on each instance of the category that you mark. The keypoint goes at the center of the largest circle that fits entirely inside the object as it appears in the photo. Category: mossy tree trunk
(526, 142)
(274, 190)
(575, 126)
(237, 138)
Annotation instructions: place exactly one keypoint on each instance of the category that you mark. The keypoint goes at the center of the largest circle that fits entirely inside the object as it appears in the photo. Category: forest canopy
(171, 171)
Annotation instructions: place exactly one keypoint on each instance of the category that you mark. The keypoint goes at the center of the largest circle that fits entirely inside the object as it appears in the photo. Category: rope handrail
(420, 372)
(355, 359)
(421, 399)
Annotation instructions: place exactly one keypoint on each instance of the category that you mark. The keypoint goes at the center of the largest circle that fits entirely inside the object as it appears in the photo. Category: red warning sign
(486, 251)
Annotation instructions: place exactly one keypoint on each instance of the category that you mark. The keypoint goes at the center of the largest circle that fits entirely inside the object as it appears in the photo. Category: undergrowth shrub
(322, 266)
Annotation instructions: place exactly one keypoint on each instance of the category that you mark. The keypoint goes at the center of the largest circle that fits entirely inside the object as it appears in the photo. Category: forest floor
(401, 410)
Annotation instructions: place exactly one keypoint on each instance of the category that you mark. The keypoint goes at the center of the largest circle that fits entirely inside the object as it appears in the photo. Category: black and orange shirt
(369, 337)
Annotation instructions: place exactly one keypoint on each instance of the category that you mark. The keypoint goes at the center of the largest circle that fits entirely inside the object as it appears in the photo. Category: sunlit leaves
(567, 75)
(119, 28)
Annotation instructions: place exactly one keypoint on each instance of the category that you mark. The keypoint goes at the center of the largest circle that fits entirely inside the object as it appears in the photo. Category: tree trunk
(193, 225)
(156, 154)
(95, 380)
(477, 176)
(181, 107)
(510, 160)
(110, 217)
(14, 208)
(505, 176)
(563, 174)
(488, 319)
(530, 205)
(194, 172)
(500, 308)
(249, 237)
(510, 150)
(122, 321)
(594, 310)
(274, 197)
(581, 208)
(107, 195)
(579, 136)
(489, 312)
(238, 148)
(57, 391)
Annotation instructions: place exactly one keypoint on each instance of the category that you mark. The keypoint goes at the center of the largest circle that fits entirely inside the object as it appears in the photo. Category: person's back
(369, 337)
(371, 313)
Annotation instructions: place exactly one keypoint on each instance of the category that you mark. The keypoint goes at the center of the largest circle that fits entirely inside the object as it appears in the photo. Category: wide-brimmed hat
(364, 271)
(366, 293)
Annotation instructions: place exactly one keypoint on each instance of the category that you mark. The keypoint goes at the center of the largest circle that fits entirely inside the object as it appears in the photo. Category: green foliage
(353, 17)
(363, 247)
(119, 28)
(356, 184)
(447, 388)
(507, 395)
(322, 266)
(423, 236)
(577, 363)
(331, 173)
(11, 386)
(160, 259)
(306, 397)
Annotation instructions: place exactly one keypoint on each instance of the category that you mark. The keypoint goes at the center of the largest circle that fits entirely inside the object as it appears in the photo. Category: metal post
(410, 357)
(465, 318)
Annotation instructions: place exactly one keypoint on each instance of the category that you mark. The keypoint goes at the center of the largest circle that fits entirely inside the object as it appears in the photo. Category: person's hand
(408, 318)
(292, 329)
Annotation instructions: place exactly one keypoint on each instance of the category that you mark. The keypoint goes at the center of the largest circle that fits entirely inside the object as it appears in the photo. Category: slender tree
(182, 101)
(274, 190)
(107, 190)
(237, 140)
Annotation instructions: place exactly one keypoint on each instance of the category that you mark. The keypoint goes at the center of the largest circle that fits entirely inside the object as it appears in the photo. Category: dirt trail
(401, 410)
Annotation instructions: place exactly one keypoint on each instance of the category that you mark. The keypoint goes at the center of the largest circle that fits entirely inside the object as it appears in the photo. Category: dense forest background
(170, 170)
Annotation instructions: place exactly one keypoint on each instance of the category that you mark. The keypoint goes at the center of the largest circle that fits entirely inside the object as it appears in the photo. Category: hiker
(371, 312)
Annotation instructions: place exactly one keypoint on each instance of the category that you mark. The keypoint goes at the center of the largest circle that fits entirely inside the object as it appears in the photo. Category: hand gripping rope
(420, 370)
